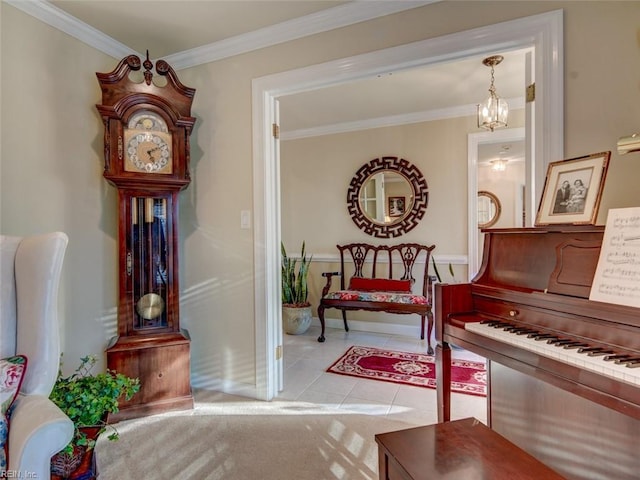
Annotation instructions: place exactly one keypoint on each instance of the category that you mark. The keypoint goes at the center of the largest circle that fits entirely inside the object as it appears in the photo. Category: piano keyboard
(573, 352)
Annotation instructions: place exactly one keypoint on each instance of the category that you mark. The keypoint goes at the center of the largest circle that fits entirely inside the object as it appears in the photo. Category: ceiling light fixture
(500, 163)
(493, 112)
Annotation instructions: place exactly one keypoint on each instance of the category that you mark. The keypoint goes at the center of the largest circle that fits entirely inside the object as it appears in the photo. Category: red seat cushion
(379, 285)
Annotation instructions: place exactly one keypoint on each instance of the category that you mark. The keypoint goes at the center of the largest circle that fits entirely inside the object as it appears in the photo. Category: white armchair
(30, 270)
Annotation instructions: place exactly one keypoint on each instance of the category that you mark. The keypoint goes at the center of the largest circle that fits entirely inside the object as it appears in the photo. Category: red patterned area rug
(409, 369)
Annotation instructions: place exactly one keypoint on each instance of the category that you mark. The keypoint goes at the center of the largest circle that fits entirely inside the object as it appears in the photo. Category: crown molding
(57, 18)
(322, 21)
(392, 120)
(325, 20)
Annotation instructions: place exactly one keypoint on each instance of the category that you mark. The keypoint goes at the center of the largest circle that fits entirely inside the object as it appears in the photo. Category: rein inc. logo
(17, 474)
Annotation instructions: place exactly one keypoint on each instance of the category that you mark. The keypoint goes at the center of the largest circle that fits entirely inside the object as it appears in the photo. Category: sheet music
(617, 277)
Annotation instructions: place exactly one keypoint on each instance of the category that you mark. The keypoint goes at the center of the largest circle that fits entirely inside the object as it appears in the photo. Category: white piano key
(569, 356)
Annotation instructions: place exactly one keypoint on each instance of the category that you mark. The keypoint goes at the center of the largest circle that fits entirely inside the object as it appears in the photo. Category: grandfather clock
(147, 124)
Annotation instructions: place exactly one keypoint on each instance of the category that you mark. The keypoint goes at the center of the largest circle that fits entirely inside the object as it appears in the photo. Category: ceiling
(171, 27)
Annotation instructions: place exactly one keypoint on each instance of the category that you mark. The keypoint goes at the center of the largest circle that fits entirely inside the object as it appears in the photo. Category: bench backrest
(383, 258)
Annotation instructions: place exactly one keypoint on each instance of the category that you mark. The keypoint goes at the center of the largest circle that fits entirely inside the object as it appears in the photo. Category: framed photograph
(572, 190)
(396, 206)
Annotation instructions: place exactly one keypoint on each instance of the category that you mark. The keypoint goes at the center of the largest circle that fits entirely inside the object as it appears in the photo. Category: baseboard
(224, 386)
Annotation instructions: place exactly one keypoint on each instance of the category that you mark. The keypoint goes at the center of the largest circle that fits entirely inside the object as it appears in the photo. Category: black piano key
(562, 343)
(589, 349)
(620, 361)
(512, 329)
(594, 350)
(496, 324)
(634, 364)
(571, 346)
(527, 331)
(536, 335)
(556, 340)
(544, 336)
(599, 352)
(611, 358)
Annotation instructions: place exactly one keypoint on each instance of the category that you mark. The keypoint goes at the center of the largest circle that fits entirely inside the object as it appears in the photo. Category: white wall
(51, 170)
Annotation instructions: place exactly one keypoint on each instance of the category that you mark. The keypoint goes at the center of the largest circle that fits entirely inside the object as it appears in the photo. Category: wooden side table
(461, 450)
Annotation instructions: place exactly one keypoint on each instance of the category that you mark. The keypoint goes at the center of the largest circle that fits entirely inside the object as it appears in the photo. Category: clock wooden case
(147, 125)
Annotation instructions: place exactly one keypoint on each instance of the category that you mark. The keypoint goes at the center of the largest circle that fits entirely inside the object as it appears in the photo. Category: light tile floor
(306, 379)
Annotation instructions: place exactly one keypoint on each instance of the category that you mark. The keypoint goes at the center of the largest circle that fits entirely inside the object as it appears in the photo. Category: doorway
(541, 32)
(508, 145)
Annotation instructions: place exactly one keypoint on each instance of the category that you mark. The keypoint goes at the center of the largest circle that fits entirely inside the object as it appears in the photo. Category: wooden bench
(461, 450)
(388, 293)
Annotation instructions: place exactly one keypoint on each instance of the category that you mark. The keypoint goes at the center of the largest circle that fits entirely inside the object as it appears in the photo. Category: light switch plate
(245, 219)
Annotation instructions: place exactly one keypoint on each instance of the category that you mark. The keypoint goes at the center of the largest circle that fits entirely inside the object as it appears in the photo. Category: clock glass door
(147, 261)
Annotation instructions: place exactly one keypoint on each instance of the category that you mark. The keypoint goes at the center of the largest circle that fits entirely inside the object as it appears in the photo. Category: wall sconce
(629, 144)
(494, 111)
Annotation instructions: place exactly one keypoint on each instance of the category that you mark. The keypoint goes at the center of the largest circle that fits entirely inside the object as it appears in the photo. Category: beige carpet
(235, 438)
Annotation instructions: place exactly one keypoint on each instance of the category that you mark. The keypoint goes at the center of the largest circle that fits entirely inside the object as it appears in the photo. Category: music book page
(617, 277)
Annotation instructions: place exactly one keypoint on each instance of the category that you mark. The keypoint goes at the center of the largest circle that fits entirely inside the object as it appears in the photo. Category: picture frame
(572, 190)
(397, 206)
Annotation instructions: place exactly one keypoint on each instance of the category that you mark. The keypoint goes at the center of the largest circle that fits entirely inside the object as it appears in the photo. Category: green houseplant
(87, 399)
(296, 309)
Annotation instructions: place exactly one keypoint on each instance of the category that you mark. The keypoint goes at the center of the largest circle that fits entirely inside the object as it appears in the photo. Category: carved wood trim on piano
(576, 263)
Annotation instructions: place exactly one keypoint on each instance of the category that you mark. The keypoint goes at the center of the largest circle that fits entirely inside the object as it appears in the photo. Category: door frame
(543, 32)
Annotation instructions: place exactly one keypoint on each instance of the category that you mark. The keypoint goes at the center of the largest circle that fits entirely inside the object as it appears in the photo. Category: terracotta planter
(296, 320)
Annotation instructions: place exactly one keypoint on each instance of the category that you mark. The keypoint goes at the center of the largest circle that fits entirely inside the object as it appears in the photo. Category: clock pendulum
(146, 151)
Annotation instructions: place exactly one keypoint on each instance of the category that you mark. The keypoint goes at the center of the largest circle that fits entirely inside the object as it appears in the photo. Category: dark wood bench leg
(429, 332)
(344, 320)
(321, 317)
(443, 381)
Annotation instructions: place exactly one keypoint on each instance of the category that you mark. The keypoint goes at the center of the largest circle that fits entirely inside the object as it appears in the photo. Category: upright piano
(563, 372)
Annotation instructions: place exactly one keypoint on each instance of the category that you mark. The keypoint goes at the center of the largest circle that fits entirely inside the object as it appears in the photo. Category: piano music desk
(460, 450)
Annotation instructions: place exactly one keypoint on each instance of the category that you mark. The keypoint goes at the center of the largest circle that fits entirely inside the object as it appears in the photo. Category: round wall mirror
(387, 197)
(489, 209)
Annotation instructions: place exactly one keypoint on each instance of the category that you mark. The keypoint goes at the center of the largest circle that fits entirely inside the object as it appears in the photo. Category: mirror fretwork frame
(409, 220)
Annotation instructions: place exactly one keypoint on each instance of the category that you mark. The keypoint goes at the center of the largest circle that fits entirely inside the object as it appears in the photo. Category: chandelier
(493, 112)
(500, 163)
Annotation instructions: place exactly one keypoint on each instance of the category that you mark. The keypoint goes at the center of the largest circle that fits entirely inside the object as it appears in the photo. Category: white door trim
(544, 32)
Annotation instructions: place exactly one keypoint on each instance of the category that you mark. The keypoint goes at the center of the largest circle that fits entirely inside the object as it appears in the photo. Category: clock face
(148, 151)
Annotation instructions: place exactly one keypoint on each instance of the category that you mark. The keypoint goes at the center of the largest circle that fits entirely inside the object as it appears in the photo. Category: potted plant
(296, 310)
(87, 399)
